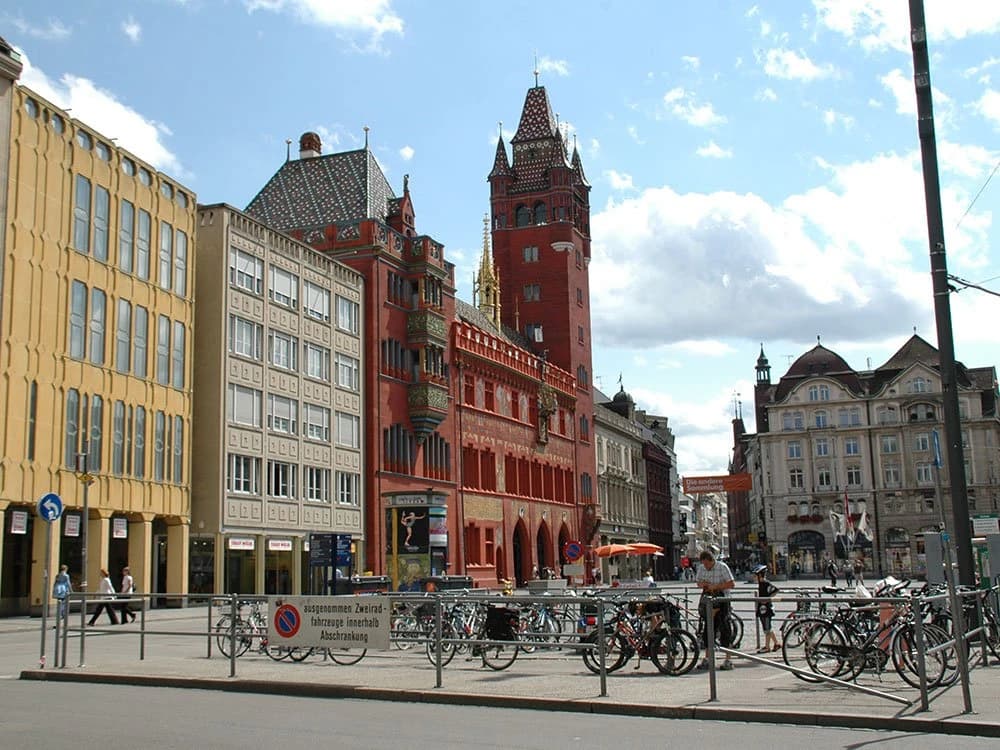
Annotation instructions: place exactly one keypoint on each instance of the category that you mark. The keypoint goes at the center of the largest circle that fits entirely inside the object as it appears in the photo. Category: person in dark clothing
(831, 571)
(765, 609)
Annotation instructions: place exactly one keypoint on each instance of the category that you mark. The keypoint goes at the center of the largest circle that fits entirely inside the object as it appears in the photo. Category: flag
(863, 528)
(836, 523)
(848, 521)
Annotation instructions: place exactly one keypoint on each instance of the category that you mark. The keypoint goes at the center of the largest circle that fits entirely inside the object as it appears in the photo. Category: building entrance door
(159, 570)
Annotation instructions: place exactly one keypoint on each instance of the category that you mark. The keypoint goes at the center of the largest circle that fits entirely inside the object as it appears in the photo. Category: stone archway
(543, 548)
(521, 552)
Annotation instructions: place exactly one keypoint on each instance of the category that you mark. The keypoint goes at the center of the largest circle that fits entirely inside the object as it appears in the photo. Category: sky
(755, 166)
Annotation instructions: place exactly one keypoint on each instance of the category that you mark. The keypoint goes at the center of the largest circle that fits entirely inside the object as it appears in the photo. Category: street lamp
(86, 479)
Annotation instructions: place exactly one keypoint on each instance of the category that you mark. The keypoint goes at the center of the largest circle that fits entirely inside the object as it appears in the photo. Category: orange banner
(723, 483)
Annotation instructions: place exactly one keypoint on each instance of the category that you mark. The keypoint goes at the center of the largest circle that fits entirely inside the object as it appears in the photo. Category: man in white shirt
(714, 578)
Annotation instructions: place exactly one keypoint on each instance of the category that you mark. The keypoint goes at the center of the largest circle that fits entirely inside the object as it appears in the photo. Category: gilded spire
(487, 283)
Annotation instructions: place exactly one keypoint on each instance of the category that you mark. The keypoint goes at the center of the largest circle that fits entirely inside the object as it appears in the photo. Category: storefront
(416, 545)
(806, 552)
(15, 573)
(278, 564)
(241, 564)
(897, 553)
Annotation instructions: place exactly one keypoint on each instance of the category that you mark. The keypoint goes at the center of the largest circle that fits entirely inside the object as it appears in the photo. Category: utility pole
(942, 304)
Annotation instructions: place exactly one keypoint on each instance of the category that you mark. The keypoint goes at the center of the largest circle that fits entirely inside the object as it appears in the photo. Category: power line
(969, 285)
(995, 168)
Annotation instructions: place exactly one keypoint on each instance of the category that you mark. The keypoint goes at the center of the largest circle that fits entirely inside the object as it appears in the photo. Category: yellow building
(278, 423)
(96, 335)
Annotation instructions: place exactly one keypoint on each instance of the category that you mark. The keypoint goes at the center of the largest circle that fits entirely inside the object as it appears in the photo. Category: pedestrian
(62, 587)
(127, 589)
(648, 579)
(849, 573)
(765, 609)
(714, 578)
(859, 572)
(107, 590)
(831, 571)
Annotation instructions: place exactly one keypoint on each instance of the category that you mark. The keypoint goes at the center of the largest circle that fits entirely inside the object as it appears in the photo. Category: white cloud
(373, 17)
(831, 118)
(879, 25)
(101, 110)
(681, 104)
(712, 150)
(988, 105)
(53, 30)
(765, 28)
(548, 65)
(975, 70)
(766, 95)
(690, 62)
(790, 65)
(900, 86)
(707, 347)
(619, 180)
(594, 148)
(132, 29)
(406, 153)
(633, 133)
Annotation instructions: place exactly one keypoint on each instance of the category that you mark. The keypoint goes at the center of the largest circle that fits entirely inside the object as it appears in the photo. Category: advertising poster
(19, 522)
(119, 528)
(438, 526)
(72, 527)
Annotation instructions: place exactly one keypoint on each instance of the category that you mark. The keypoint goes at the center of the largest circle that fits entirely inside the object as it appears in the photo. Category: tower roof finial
(536, 69)
(366, 136)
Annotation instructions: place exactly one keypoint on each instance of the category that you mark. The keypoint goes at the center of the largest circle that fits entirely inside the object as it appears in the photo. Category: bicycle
(250, 630)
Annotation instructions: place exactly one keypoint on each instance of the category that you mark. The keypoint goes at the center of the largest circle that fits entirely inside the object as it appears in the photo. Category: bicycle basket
(501, 623)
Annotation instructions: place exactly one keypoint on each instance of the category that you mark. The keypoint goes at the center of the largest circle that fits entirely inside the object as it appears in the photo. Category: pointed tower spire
(501, 167)
(487, 283)
(578, 164)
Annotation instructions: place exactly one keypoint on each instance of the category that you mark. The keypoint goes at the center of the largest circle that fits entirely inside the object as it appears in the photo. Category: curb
(699, 712)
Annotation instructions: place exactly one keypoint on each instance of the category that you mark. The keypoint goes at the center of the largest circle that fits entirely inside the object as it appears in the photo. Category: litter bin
(370, 584)
(446, 583)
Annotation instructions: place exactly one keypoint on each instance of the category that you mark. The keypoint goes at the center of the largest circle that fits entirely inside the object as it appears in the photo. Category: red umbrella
(644, 548)
(610, 550)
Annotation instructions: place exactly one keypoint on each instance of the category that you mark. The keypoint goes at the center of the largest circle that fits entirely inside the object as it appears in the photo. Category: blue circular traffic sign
(50, 507)
(287, 620)
(573, 551)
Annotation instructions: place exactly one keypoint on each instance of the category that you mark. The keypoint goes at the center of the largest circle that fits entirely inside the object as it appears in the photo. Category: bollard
(918, 635)
(142, 631)
(601, 650)
(981, 621)
(232, 635)
(710, 647)
(438, 629)
(208, 648)
(83, 627)
(65, 633)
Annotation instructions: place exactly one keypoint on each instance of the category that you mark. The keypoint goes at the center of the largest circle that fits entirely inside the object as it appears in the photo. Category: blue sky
(755, 166)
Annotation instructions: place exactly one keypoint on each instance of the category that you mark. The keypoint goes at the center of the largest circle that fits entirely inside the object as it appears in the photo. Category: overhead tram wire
(978, 193)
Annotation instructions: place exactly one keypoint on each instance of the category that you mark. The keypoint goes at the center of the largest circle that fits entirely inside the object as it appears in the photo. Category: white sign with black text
(337, 622)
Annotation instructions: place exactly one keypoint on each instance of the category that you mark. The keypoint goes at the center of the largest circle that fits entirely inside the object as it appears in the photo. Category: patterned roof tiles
(537, 120)
(501, 167)
(322, 190)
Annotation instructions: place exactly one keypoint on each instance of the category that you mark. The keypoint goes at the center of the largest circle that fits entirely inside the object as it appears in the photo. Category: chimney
(310, 146)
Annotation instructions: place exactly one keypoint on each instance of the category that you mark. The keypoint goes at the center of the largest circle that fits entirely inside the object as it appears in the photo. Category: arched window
(540, 213)
(522, 216)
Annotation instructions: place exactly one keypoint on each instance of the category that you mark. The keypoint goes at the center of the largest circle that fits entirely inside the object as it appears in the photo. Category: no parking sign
(572, 551)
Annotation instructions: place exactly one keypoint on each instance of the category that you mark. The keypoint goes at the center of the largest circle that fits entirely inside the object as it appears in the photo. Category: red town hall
(477, 435)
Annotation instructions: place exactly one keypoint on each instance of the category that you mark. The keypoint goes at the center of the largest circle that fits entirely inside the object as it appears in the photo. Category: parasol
(610, 550)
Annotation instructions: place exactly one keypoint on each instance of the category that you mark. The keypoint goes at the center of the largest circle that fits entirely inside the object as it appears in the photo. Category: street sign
(321, 550)
(331, 621)
(50, 507)
(572, 551)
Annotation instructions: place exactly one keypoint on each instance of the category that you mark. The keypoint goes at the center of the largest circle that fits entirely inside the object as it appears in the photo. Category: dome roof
(818, 361)
(621, 396)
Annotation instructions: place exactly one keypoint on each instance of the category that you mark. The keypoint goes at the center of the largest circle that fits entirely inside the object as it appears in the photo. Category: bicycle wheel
(448, 650)
(616, 652)
(500, 655)
(828, 653)
(346, 656)
(793, 647)
(278, 653)
(674, 652)
(736, 629)
(223, 639)
(405, 631)
(904, 652)
(300, 654)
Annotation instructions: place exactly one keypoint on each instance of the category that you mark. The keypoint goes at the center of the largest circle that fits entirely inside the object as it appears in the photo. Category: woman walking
(107, 589)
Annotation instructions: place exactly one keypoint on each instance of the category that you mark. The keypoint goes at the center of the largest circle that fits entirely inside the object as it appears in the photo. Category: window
(891, 474)
(243, 475)
(852, 447)
(822, 447)
(532, 292)
(33, 420)
(348, 373)
(81, 215)
(245, 337)
(177, 355)
(584, 428)
(71, 433)
(163, 350)
(317, 301)
(890, 444)
(139, 348)
(118, 438)
(317, 484)
(284, 287)
(540, 213)
(282, 414)
(823, 478)
(795, 479)
(57, 123)
(792, 420)
(522, 216)
(246, 271)
(179, 450)
(922, 442)
(854, 476)
(98, 317)
(530, 254)
(165, 276)
(886, 415)
(83, 140)
(126, 236)
(919, 385)
(579, 334)
(348, 488)
(139, 463)
(123, 337)
(142, 240)
(317, 362)
(819, 393)
(31, 107)
(128, 166)
(925, 412)
(243, 405)
(316, 422)
(348, 430)
(145, 177)
(180, 263)
(925, 474)
(284, 350)
(281, 479)
(167, 190)
(794, 449)
(103, 151)
(78, 320)
(347, 315)
(533, 332)
(102, 213)
(820, 419)
(159, 443)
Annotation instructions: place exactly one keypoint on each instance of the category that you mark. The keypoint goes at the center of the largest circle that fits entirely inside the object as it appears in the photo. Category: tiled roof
(471, 314)
(537, 120)
(501, 167)
(321, 190)
(578, 167)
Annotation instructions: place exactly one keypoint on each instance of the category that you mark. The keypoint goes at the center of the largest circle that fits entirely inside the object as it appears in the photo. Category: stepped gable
(321, 190)
(471, 314)
(818, 361)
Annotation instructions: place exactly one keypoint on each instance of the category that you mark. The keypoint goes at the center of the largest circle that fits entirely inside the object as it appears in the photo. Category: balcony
(428, 406)
(426, 326)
